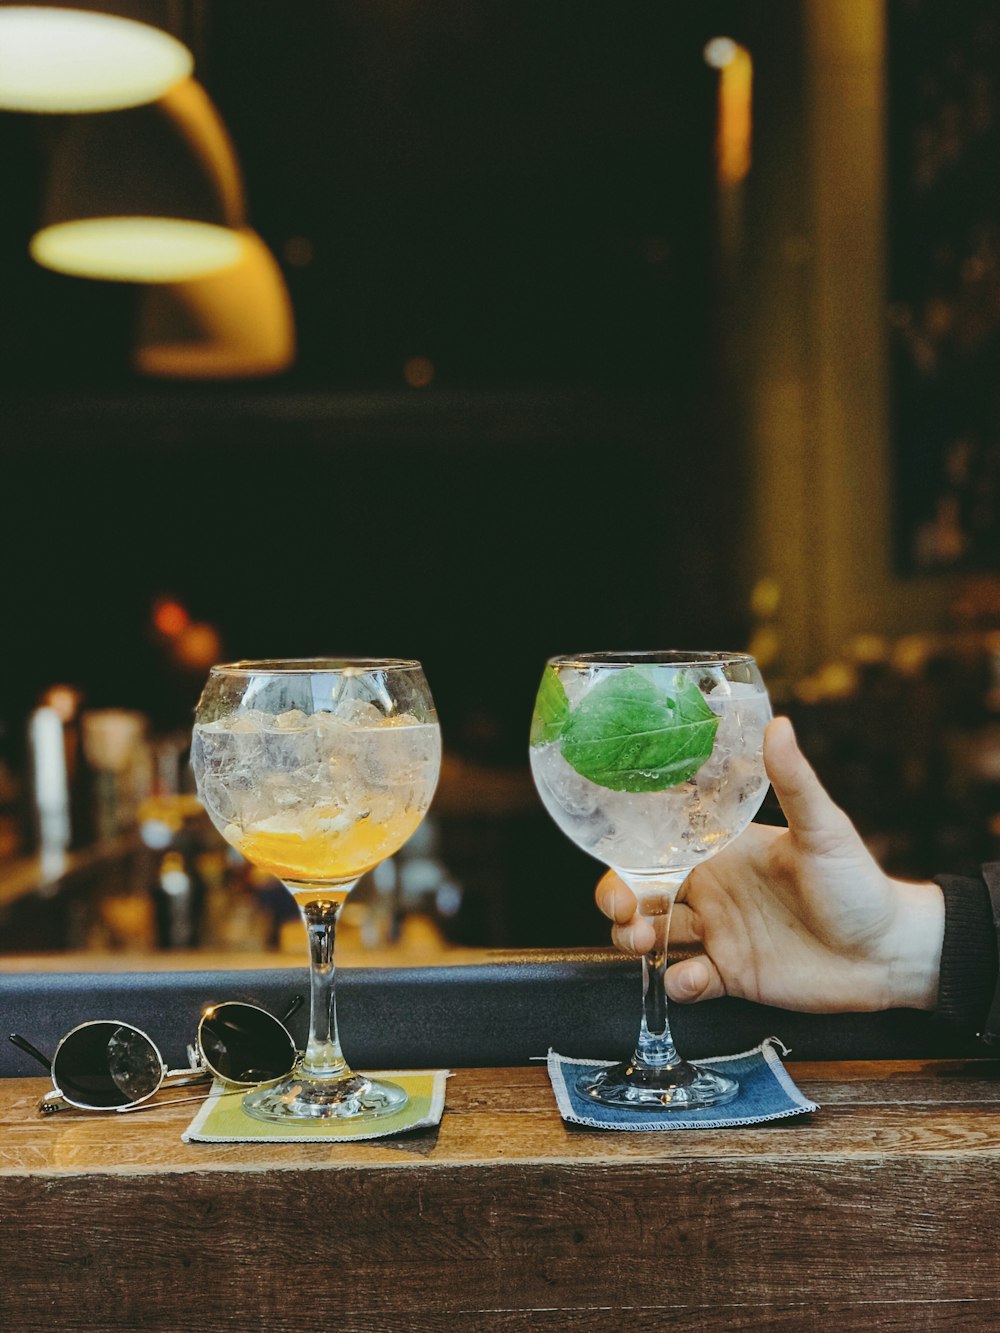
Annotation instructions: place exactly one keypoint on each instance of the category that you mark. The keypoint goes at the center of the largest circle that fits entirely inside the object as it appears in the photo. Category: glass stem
(655, 1048)
(323, 1058)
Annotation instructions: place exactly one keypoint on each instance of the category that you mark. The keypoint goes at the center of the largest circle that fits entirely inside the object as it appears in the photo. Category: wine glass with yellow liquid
(317, 770)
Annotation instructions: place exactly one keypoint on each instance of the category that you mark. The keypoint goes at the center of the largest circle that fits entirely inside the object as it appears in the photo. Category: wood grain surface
(879, 1211)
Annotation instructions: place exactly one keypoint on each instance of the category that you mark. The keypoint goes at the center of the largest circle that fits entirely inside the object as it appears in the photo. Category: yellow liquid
(324, 850)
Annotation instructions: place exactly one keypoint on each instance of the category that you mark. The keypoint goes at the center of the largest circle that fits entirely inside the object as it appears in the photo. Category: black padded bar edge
(445, 1017)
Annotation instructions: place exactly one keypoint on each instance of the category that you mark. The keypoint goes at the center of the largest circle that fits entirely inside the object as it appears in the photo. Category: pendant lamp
(230, 325)
(99, 56)
(150, 194)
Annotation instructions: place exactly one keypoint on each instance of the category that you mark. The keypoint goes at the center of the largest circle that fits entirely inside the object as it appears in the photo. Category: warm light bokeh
(137, 249)
(68, 60)
(170, 618)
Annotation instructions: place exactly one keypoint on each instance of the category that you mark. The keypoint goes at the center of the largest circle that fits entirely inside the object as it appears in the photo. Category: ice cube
(340, 822)
(293, 720)
(285, 798)
(227, 749)
(359, 712)
(399, 720)
(284, 824)
(361, 687)
(218, 800)
(576, 684)
(235, 724)
(328, 722)
(734, 689)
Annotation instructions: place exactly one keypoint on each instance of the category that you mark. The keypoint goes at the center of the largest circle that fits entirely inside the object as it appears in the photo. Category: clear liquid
(671, 830)
(316, 800)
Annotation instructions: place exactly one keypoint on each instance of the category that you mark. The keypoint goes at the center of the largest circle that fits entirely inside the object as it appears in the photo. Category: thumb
(808, 807)
(694, 979)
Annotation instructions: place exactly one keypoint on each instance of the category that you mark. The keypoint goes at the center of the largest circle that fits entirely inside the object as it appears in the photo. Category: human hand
(802, 918)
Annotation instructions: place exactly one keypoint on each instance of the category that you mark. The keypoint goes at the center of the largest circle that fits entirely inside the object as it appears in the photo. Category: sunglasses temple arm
(158, 1106)
(177, 1078)
(53, 1102)
(23, 1044)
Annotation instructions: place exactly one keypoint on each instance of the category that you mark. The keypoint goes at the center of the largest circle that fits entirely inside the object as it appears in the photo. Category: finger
(636, 936)
(694, 979)
(808, 807)
(683, 926)
(615, 899)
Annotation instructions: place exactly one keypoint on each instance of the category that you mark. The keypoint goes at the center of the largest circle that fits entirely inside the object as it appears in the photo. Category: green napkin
(222, 1120)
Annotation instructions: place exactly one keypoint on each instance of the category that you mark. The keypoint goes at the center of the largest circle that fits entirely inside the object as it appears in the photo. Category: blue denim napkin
(766, 1093)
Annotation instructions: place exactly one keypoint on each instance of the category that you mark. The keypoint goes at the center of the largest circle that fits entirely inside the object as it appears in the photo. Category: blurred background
(553, 328)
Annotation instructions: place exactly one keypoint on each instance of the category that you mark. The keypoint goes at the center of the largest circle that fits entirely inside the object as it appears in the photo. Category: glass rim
(652, 657)
(314, 666)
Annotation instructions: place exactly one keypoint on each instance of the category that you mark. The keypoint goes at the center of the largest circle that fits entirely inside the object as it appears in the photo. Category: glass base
(297, 1098)
(682, 1087)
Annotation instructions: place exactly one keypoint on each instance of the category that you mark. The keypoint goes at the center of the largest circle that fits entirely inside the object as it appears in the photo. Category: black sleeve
(968, 956)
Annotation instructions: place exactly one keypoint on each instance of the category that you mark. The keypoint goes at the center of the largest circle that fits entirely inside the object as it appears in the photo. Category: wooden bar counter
(878, 1211)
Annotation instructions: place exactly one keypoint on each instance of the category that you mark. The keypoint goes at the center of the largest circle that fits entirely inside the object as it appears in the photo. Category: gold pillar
(818, 390)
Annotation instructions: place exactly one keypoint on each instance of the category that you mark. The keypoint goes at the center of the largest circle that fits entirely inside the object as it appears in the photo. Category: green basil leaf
(551, 709)
(630, 735)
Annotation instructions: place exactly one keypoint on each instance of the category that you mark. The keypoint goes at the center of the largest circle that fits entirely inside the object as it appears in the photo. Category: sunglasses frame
(201, 1071)
(198, 1058)
(52, 1101)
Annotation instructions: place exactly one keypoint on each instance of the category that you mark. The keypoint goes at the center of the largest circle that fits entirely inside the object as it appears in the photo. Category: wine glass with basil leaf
(652, 762)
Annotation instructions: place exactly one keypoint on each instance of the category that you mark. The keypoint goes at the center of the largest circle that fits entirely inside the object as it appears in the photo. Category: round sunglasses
(107, 1065)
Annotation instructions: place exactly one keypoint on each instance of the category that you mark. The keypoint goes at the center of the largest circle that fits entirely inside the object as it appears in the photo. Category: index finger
(615, 899)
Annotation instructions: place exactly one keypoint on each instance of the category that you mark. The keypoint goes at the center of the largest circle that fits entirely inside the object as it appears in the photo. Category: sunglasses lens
(243, 1044)
(105, 1065)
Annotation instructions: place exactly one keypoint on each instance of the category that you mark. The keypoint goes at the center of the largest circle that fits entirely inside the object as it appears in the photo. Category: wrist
(915, 942)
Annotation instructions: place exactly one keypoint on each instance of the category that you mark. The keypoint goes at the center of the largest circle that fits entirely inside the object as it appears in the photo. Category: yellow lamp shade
(136, 249)
(55, 59)
(151, 194)
(233, 324)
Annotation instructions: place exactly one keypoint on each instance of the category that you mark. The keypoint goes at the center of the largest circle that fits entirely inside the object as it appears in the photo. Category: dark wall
(480, 534)
(944, 276)
(524, 195)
